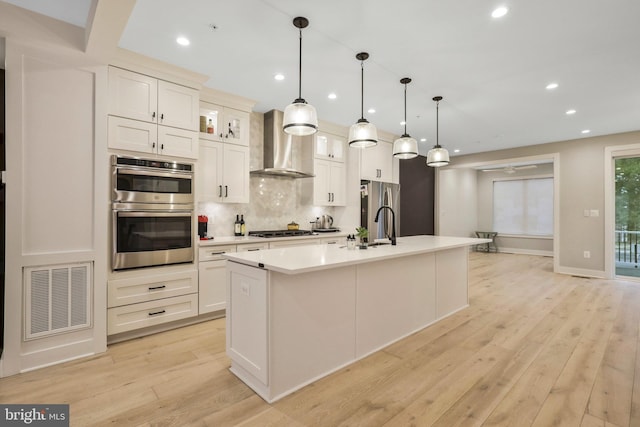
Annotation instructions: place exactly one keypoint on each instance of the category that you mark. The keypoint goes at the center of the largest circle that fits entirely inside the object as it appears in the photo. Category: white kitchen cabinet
(223, 173)
(292, 242)
(329, 183)
(229, 125)
(329, 147)
(137, 316)
(136, 300)
(152, 116)
(377, 163)
(212, 278)
(252, 247)
(144, 137)
(334, 240)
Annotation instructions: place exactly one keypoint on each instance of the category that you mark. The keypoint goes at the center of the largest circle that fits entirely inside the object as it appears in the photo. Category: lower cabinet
(142, 315)
(140, 299)
(212, 278)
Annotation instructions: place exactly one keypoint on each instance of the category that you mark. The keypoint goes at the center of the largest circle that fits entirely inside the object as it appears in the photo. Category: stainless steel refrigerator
(373, 195)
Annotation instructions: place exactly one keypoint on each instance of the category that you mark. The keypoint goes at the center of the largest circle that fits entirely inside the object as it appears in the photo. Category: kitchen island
(295, 315)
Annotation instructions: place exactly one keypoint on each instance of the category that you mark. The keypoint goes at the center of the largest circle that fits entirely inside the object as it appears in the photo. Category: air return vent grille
(57, 299)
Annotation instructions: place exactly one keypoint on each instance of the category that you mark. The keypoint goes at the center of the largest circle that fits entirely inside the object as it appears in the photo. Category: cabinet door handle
(217, 253)
(253, 249)
(153, 115)
(162, 146)
(155, 313)
(162, 116)
(226, 191)
(153, 145)
(329, 197)
(219, 190)
(155, 288)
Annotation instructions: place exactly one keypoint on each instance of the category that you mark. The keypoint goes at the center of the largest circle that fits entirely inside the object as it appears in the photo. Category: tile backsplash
(275, 202)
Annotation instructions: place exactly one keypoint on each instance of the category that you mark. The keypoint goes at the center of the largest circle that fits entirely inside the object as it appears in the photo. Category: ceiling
(491, 72)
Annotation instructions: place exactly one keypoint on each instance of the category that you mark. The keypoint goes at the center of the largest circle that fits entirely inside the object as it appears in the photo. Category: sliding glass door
(627, 216)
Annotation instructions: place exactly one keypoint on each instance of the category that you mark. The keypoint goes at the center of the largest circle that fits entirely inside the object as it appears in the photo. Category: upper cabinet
(378, 164)
(223, 173)
(329, 147)
(218, 123)
(152, 116)
(329, 183)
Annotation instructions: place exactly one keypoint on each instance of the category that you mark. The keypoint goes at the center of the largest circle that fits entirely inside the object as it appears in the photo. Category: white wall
(456, 202)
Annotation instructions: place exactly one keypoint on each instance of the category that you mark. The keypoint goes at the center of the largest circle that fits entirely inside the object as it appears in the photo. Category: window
(523, 207)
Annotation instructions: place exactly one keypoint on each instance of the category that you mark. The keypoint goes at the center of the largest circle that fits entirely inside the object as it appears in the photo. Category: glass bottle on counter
(236, 227)
(243, 226)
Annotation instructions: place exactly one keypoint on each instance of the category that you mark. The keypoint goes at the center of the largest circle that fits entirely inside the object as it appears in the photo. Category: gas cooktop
(280, 233)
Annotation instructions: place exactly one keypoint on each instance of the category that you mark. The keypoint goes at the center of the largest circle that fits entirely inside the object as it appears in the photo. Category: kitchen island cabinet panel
(247, 323)
(452, 268)
(312, 325)
(394, 299)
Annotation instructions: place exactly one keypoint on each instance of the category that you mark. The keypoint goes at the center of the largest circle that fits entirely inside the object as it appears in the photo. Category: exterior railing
(627, 247)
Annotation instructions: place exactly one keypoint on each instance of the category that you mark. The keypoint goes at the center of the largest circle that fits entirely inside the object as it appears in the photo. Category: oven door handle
(154, 173)
(139, 214)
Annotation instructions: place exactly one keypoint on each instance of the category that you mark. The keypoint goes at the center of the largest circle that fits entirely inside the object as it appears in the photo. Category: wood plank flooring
(533, 349)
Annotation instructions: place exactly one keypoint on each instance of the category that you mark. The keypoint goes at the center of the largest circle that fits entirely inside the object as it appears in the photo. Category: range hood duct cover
(284, 155)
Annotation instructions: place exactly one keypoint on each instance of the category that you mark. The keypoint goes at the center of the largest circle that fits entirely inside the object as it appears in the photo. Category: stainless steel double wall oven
(152, 209)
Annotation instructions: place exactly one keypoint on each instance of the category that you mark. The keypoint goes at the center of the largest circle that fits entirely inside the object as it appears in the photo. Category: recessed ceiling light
(552, 86)
(279, 76)
(499, 12)
(371, 110)
(457, 150)
(402, 123)
(586, 131)
(332, 96)
(570, 112)
(183, 41)
(423, 139)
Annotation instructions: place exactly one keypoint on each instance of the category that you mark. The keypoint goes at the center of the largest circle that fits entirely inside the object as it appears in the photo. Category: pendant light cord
(405, 109)
(437, 123)
(362, 90)
(300, 68)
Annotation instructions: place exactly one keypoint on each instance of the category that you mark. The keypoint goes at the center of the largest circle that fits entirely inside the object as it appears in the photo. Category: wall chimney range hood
(285, 155)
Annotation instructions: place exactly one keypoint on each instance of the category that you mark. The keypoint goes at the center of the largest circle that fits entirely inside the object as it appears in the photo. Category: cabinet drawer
(136, 316)
(213, 253)
(126, 134)
(252, 247)
(148, 288)
(294, 242)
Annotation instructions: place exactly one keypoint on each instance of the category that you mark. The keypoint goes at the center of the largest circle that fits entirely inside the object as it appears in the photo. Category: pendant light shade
(362, 134)
(300, 118)
(437, 156)
(405, 147)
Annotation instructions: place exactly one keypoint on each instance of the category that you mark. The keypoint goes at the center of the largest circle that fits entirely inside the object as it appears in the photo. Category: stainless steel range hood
(285, 155)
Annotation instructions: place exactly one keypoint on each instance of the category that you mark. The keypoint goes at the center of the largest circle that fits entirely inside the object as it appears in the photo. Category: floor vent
(57, 299)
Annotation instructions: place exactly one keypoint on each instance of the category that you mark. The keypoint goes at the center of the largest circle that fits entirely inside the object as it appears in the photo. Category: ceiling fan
(510, 169)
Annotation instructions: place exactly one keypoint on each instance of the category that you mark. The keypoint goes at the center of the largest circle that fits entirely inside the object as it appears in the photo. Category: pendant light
(405, 147)
(437, 156)
(362, 134)
(300, 118)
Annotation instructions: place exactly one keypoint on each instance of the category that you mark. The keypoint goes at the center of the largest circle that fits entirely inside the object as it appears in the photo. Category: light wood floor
(533, 349)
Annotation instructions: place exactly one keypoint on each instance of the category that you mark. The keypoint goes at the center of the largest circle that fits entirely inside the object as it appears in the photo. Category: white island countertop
(304, 259)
